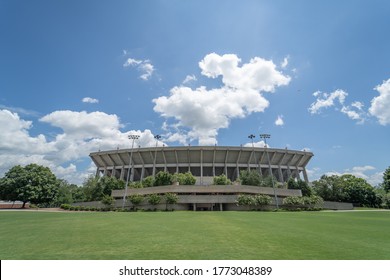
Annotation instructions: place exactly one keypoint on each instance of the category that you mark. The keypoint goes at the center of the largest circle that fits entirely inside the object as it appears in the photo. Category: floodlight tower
(265, 137)
(157, 137)
(133, 137)
(251, 137)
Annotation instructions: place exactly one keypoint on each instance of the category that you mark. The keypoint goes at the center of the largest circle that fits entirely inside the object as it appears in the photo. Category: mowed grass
(194, 235)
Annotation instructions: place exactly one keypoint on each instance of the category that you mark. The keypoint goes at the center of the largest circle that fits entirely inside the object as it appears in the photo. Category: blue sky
(78, 76)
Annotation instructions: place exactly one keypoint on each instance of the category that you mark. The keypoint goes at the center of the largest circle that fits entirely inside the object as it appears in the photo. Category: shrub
(148, 182)
(262, 200)
(221, 180)
(170, 198)
(154, 199)
(136, 199)
(136, 185)
(65, 206)
(184, 178)
(250, 178)
(163, 178)
(245, 199)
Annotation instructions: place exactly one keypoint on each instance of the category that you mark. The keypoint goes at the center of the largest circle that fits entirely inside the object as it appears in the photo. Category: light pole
(251, 137)
(265, 137)
(157, 137)
(132, 137)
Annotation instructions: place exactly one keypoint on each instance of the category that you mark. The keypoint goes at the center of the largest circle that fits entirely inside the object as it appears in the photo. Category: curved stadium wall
(204, 162)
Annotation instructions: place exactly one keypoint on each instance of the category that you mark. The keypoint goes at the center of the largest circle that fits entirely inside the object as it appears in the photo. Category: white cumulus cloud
(81, 133)
(380, 104)
(90, 100)
(201, 112)
(189, 78)
(325, 100)
(337, 99)
(144, 66)
(279, 121)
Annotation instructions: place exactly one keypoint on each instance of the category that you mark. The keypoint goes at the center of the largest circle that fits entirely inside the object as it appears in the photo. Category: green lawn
(194, 235)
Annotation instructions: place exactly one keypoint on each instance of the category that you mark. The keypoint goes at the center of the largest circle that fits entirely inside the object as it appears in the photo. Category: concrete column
(305, 175)
(298, 175)
(97, 172)
(281, 179)
(122, 173)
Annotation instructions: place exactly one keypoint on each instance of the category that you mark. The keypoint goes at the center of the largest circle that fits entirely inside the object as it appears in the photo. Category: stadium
(204, 162)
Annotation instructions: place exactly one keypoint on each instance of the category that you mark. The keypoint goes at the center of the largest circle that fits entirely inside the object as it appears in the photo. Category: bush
(313, 202)
(136, 199)
(221, 180)
(262, 200)
(184, 178)
(65, 206)
(135, 185)
(154, 199)
(163, 178)
(250, 178)
(245, 199)
(148, 182)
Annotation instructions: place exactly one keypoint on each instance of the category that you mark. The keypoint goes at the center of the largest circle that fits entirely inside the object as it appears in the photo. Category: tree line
(37, 184)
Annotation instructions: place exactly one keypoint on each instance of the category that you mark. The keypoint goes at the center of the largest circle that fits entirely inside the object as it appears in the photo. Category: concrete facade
(204, 162)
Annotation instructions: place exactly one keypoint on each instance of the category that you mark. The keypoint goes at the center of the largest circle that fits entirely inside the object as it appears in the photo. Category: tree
(108, 201)
(293, 184)
(329, 188)
(386, 180)
(170, 198)
(107, 184)
(32, 183)
(163, 178)
(92, 190)
(136, 199)
(184, 178)
(67, 193)
(347, 188)
(250, 178)
(262, 200)
(245, 200)
(221, 180)
(148, 182)
(154, 199)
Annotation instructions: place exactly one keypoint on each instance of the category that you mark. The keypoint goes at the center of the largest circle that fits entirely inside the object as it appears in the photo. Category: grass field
(194, 235)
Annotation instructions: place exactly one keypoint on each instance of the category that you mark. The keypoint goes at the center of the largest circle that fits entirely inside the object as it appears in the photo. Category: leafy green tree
(148, 182)
(299, 185)
(221, 180)
(347, 188)
(107, 184)
(154, 199)
(108, 201)
(136, 199)
(92, 190)
(250, 178)
(65, 193)
(32, 183)
(184, 178)
(386, 180)
(262, 200)
(329, 188)
(163, 178)
(136, 185)
(245, 200)
(170, 198)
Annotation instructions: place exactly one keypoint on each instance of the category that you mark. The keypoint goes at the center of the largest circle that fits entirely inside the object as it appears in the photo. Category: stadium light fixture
(132, 137)
(265, 137)
(251, 137)
(157, 137)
